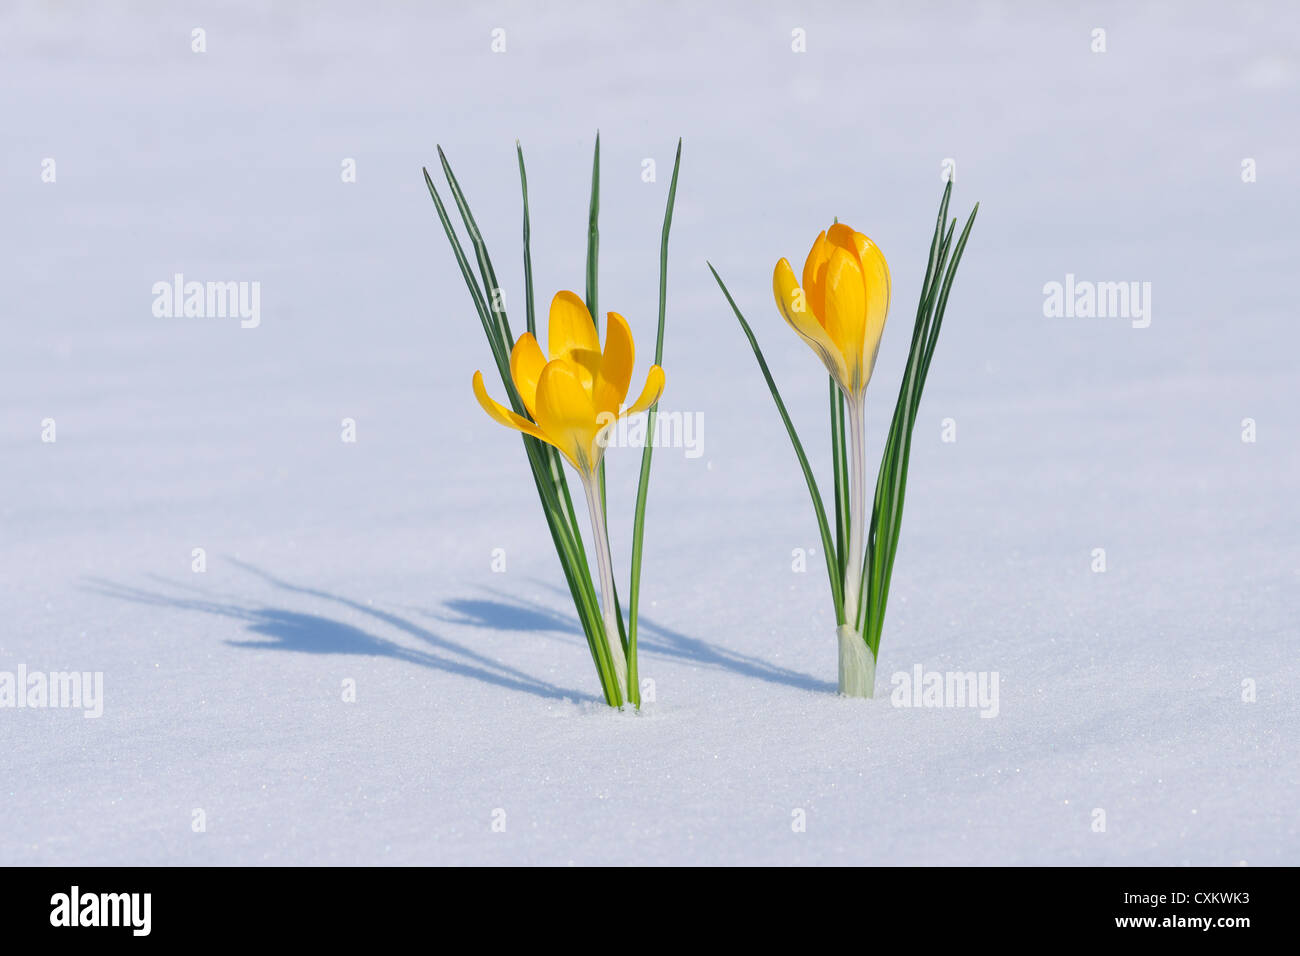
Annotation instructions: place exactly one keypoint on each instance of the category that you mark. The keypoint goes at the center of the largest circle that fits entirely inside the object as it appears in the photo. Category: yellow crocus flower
(841, 307)
(576, 395)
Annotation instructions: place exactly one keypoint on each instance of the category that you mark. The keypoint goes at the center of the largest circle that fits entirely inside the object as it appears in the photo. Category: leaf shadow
(503, 612)
(281, 628)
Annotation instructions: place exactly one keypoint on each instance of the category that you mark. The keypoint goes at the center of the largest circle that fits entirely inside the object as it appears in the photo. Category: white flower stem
(857, 510)
(605, 565)
(857, 663)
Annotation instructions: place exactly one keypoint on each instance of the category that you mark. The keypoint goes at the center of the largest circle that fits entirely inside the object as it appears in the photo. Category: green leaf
(593, 257)
(489, 329)
(891, 482)
(593, 236)
(555, 465)
(528, 255)
(643, 484)
(503, 335)
(492, 288)
(828, 546)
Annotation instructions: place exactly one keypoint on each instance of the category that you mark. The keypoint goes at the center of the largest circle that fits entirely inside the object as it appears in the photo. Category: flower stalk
(857, 507)
(857, 670)
(605, 566)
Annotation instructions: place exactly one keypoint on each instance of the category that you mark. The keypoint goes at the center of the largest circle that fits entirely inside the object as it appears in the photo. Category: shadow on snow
(279, 628)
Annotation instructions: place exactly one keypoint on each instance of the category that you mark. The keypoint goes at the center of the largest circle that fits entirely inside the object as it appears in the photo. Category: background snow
(330, 561)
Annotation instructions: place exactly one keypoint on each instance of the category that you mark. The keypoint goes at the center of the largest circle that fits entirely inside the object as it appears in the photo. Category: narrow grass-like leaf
(643, 484)
(940, 307)
(891, 482)
(592, 275)
(555, 468)
(502, 360)
(942, 304)
(492, 289)
(593, 236)
(828, 546)
(528, 254)
(873, 571)
(892, 476)
(593, 269)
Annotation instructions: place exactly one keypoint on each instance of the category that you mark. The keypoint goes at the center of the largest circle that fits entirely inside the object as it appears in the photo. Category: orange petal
(814, 276)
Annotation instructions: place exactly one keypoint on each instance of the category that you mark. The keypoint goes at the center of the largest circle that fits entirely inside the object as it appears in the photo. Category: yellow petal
(814, 277)
(615, 371)
(846, 304)
(504, 415)
(875, 281)
(570, 327)
(788, 298)
(526, 364)
(654, 387)
(566, 414)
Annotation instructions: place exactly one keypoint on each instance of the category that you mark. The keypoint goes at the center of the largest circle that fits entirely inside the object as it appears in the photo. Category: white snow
(370, 562)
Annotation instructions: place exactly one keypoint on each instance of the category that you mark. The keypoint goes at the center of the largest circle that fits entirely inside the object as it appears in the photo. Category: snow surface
(370, 562)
